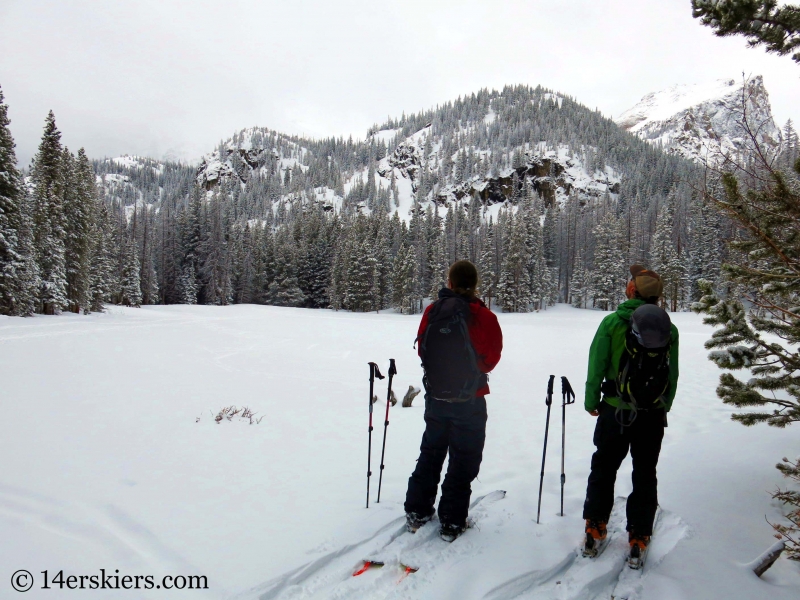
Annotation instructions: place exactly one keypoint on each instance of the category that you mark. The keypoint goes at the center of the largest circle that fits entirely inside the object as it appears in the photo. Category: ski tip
(366, 566)
(407, 569)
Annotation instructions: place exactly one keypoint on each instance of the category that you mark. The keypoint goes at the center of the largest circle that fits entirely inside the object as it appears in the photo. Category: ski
(412, 559)
(594, 548)
(366, 566)
(637, 558)
(407, 570)
(629, 583)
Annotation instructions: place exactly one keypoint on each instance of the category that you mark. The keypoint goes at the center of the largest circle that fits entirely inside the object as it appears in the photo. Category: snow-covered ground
(113, 460)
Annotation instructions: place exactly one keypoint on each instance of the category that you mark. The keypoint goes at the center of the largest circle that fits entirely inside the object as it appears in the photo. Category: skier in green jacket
(628, 420)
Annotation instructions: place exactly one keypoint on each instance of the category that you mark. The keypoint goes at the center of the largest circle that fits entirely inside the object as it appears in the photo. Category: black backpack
(643, 377)
(448, 357)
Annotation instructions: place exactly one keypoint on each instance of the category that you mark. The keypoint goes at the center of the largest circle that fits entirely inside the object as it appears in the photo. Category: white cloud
(152, 77)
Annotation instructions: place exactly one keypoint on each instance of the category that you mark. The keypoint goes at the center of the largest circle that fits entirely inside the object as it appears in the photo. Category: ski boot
(414, 521)
(596, 534)
(638, 553)
(450, 532)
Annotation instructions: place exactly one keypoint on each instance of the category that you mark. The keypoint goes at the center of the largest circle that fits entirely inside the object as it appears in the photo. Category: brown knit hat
(648, 283)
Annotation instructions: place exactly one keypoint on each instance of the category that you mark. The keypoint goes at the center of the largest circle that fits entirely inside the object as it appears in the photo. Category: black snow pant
(459, 428)
(643, 437)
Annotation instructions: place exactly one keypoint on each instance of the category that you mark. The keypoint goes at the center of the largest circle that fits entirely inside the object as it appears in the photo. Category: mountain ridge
(702, 122)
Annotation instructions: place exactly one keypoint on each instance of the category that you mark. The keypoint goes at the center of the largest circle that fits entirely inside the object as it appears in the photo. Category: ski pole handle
(549, 400)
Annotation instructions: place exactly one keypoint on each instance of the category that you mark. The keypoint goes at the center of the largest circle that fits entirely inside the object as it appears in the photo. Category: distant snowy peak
(702, 122)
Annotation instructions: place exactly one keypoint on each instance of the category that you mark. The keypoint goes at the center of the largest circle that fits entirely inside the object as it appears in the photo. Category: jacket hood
(448, 293)
(625, 310)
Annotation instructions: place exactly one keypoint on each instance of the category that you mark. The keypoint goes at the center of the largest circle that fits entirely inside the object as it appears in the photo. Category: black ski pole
(567, 397)
(548, 400)
(373, 372)
(392, 373)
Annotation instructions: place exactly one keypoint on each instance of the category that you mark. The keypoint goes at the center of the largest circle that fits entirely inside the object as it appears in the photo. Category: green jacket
(606, 351)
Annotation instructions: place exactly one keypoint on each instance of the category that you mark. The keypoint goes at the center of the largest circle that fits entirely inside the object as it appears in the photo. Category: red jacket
(484, 333)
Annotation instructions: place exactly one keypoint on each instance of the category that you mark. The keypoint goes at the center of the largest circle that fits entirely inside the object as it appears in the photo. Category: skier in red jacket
(459, 342)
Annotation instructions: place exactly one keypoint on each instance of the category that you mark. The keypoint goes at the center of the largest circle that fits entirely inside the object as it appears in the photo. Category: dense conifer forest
(550, 199)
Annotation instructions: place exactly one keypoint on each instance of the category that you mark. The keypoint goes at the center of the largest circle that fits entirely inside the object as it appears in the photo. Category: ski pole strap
(567, 394)
(375, 371)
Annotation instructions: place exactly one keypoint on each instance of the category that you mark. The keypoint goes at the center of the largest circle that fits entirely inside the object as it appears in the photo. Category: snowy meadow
(114, 460)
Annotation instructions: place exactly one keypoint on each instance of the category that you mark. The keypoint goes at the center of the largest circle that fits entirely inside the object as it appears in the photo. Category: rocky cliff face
(703, 122)
(553, 173)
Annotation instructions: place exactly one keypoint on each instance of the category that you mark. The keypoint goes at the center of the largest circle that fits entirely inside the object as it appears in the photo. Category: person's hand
(594, 413)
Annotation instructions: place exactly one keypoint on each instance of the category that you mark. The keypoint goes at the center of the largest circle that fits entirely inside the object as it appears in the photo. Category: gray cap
(651, 325)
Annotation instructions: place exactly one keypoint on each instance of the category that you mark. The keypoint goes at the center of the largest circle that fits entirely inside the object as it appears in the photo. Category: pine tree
(763, 261)
(360, 277)
(286, 292)
(18, 273)
(762, 22)
(486, 266)
(664, 256)
(607, 263)
(791, 146)
(28, 281)
(403, 281)
(130, 283)
(579, 284)
(79, 203)
(187, 284)
(382, 277)
(47, 175)
(513, 289)
(216, 271)
(100, 271)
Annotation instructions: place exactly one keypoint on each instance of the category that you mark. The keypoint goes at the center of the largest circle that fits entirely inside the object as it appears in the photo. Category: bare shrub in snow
(790, 533)
(229, 413)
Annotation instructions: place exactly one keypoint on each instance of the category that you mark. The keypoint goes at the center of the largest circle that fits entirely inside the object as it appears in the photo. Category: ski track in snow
(331, 576)
(579, 578)
(571, 578)
(110, 528)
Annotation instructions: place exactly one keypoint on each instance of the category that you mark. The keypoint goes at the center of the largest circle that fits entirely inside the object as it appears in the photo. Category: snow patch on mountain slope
(554, 173)
(137, 162)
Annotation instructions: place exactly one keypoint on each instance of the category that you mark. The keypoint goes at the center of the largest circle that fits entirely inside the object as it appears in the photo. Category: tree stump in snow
(766, 560)
(410, 395)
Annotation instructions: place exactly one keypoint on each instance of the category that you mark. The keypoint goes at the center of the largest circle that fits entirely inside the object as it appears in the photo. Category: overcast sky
(172, 77)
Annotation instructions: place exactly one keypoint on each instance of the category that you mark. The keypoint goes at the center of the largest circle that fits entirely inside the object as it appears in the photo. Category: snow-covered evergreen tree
(188, 285)
(18, 272)
(579, 284)
(664, 256)
(101, 268)
(513, 289)
(130, 283)
(486, 266)
(80, 194)
(607, 282)
(403, 281)
(47, 177)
